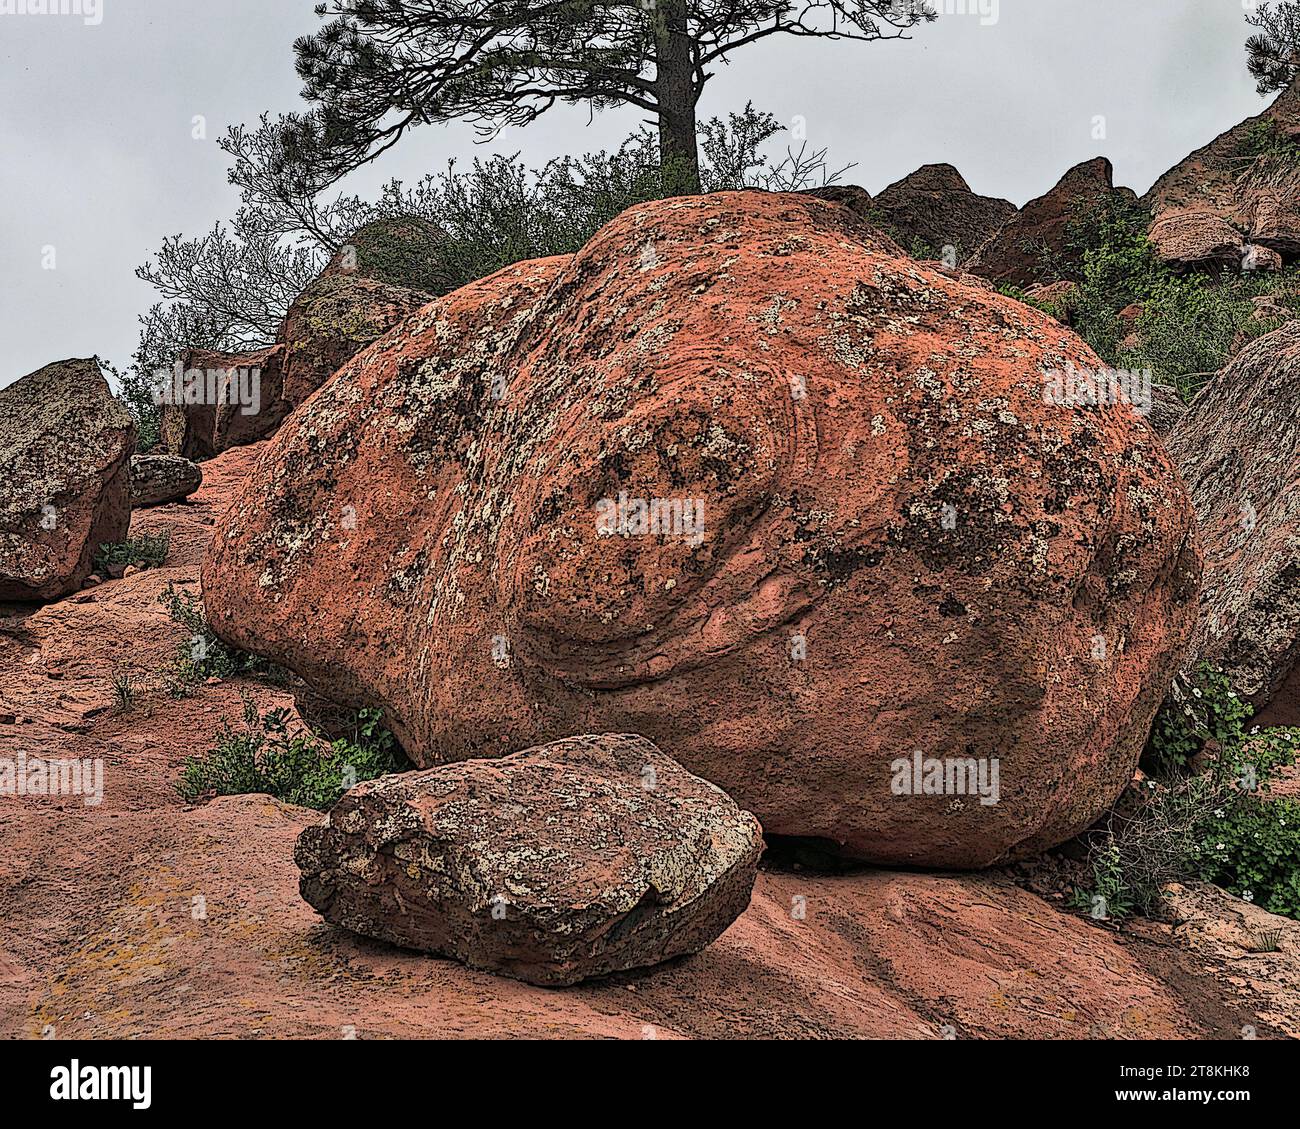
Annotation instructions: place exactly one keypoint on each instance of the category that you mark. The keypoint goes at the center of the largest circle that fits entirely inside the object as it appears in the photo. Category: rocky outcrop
(215, 401)
(158, 479)
(769, 497)
(934, 208)
(1198, 239)
(1245, 182)
(1034, 245)
(201, 903)
(65, 446)
(401, 251)
(336, 317)
(555, 865)
(1238, 448)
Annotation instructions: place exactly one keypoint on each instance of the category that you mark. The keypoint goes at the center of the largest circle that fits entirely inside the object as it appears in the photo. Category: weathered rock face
(223, 400)
(870, 532)
(1238, 448)
(65, 446)
(1247, 178)
(851, 196)
(1198, 239)
(935, 208)
(336, 317)
(403, 251)
(1167, 408)
(1037, 237)
(555, 865)
(157, 479)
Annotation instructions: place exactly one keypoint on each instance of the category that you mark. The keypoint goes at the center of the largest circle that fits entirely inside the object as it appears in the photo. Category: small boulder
(560, 863)
(331, 321)
(217, 401)
(65, 447)
(1261, 258)
(1056, 298)
(1198, 239)
(851, 196)
(157, 479)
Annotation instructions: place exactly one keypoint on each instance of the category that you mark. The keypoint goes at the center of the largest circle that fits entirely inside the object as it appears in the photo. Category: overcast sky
(97, 158)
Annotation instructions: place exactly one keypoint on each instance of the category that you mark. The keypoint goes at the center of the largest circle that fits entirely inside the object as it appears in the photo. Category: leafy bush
(297, 767)
(203, 655)
(1189, 322)
(149, 550)
(1264, 138)
(1216, 825)
(1199, 708)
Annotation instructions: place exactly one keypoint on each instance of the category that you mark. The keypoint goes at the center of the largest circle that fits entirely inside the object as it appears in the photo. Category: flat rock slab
(555, 865)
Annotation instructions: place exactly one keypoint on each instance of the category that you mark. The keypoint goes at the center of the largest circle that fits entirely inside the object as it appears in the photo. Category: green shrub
(203, 655)
(1199, 708)
(1189, 322)
(1264, 138)
(149, 550)
(1250, 843)
(1217, 825)
(297, 767)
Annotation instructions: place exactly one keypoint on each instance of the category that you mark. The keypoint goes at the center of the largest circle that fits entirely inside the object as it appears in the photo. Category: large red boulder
(65, 478)
(1238, 448)
(739, 477)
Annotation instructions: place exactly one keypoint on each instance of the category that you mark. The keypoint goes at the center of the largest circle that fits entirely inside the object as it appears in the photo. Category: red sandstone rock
(903, 547)
(65, 450)
(217, 401)
(1037, 238)
(1246, 179)
(1198, 239)
(1239, 451)
(555, 865)
(935, 208)
(336, 317)
(102, 938)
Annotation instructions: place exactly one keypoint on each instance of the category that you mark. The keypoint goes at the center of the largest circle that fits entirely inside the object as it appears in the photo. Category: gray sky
(97, 158)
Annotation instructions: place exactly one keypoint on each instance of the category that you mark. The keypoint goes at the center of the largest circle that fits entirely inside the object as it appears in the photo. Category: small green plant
(1250, 843)
(203, 655)
(149, 550)
(1215, 824)
(1199, 708)
(124, 692)
(1109, 896)
(296, 766)
(1268, 941)
(1265, 139)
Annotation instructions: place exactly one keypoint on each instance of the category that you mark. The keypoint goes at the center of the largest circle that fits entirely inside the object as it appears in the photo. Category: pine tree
(378, 68)
(1273, 56)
